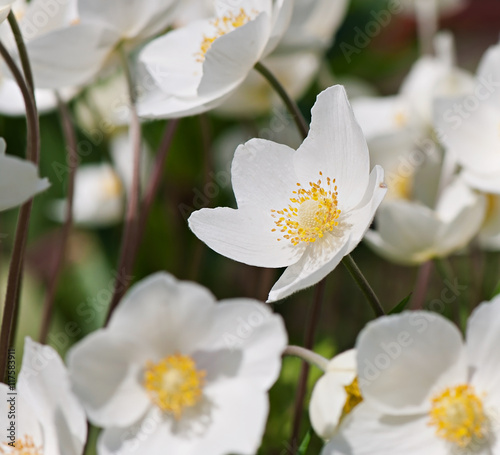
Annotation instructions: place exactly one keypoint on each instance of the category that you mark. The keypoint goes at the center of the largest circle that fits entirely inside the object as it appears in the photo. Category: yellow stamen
(458, 415)
(174, 383)
(222, 25)
(112, 186)
(24, 446)
(312, 212)
(353, 397)
(400, 119)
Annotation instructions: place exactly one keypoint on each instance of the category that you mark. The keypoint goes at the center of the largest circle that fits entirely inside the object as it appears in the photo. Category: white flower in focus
(335, 394)
(425, 390)
(409, 232)
(48, 418)
(198, 66)
(101, 189)
(73, 55)
(303, 209)
(19, 180)
(177, 371)
(470, 126)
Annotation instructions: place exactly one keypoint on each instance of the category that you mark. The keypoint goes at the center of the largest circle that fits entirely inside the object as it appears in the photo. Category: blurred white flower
(101, 189)
(19, 180)
(442, 6)
(176, 370)
(335, 394)
(198, 66)
(409, 232)
(5, 6)
(73, 55)
(35, 20)
(470, 126)
(48, 418)
(303, 209)
(489, 236)
(424, 389)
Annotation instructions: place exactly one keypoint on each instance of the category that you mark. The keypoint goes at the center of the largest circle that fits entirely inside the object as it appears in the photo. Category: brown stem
(71, 147)
(310, 334)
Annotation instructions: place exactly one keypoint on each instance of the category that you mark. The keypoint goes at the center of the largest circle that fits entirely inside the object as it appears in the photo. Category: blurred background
(196, 175)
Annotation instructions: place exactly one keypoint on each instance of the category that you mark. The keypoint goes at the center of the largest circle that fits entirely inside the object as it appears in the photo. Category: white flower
(101, 189)
(303, 209)
(409, 232)
(425, 390)
(48, 418)
(335, 394)
(197, 66)
(443, 6)
(469, 126)
(5, 6)
(19, 180)
(74, 54)
(489, 236)
(176, 371)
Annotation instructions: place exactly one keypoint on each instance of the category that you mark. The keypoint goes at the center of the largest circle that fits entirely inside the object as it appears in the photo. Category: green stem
(363, 284)
(291, 105)
(309, 356)
(23, 53)
(17, 261)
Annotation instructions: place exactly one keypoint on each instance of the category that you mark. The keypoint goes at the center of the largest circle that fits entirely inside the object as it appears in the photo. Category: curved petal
(19, 181)
(223, 428)
(335, 146)
(319, 259)
(367, 432)
(12, 101)
(263, 175)
(281, 17)
(251, 329)
(361, 217)
(105, 370)
(167, 314)
(483, 338)
(44, 384)
(70, 56)
(403, 360)
(244, 235)
(489, 183)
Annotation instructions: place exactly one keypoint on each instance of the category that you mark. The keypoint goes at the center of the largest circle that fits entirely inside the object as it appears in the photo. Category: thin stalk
(71, 147)
(291, 105)
(23, 53)
(17, 261)
(303, 128)
(308, 356)
(363, 284)
(444, 269)
(310, 335)
(424, 274)
(125, 263)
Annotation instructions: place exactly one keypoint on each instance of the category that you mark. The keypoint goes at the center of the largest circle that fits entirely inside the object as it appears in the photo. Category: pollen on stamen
(222, 26)
(23, 446)
(310, 214)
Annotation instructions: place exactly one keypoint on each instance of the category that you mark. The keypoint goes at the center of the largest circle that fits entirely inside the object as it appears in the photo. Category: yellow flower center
(458, 415)
(174, 383)
(112, 186)
(353, 397)
(312, 212)
(24, 446)
(222, 25)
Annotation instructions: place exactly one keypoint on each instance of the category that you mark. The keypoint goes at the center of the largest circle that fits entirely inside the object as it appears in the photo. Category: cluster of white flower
(170, 372)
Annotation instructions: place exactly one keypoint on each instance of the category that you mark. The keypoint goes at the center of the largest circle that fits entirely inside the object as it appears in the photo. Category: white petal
(244, 235)
(263, 175)
(167, 314)
(12, 101)
(483, 338)
(403, 360)
(250, 337)
(488, 183)
(44, 384)
(367, 432)
(281, 17)
(488, 74)
(70, 56)
(319, 259)
(335, 146)
(222, 429)
(361, 217)
(19, 181)
(105, 369)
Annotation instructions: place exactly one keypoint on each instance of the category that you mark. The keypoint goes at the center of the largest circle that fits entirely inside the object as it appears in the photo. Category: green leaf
(305, 444)
(401, 305)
